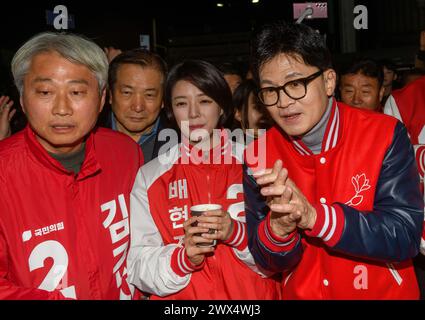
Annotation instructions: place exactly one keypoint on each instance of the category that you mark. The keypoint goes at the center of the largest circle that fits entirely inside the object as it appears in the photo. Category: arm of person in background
(111, 53)
(420, 58)
(392, 109)
(391, 232)
(6, 115)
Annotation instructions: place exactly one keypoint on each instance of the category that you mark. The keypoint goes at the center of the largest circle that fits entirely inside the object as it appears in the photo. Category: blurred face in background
(257, 117)
(361, 91)
(136, 99)
(389, 77)
(233, 80)
(254, 114)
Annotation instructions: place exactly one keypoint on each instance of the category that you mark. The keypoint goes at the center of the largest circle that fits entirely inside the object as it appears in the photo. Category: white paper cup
(198, 210)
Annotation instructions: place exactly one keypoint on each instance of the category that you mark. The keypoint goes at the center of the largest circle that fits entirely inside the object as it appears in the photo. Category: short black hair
(367, 67)
(290, 39)
(141, 57)
(207, 78)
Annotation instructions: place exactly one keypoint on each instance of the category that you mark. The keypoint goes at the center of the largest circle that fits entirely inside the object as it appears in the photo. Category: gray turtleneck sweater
(313, 139)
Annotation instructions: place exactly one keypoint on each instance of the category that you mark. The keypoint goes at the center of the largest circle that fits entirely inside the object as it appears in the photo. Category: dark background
(185, 29)
(199, 28)
(182, 29)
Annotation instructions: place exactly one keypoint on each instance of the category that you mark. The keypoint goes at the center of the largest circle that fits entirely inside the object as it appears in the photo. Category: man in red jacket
(64, 229)
(348, 220)
(408, 106)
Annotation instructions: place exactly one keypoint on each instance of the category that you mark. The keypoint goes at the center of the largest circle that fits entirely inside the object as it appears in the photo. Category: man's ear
(102, 100)
(330, 81)
(110, 96)
(381, 94)
(21, 101)
(238, 116)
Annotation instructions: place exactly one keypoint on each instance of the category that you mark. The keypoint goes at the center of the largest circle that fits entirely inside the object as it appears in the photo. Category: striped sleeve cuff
(181, 264)
(329, 224)
(273, 242)
(420, 158)
(238, 239)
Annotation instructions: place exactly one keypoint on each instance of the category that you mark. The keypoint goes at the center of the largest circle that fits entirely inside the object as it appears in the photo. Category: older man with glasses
(338, 208)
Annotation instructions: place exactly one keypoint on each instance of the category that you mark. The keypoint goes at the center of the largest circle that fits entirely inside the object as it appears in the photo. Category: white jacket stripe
(149, 261)
(326, 224)
(333, 224)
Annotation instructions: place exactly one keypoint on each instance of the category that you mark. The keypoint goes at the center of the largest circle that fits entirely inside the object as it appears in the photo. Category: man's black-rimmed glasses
(295, 89)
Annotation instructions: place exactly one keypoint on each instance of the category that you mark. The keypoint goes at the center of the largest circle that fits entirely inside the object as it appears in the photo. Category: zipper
(395, 273)
(209, 189)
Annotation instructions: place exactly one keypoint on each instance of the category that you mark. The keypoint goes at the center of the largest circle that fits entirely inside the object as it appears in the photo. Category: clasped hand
(290, 209)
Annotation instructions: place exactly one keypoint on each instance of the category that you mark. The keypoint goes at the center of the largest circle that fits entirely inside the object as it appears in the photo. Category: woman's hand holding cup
(193, 240)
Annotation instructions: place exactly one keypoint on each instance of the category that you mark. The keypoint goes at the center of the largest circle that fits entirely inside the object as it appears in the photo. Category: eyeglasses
(295, 89)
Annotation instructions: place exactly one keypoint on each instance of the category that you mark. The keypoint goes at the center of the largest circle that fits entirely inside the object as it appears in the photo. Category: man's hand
(422, 41)
(289, 207)
(298, 207)
(273, 182)
(6, 114)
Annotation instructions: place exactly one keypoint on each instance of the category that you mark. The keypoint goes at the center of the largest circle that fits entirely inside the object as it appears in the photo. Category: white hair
(75, 48)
